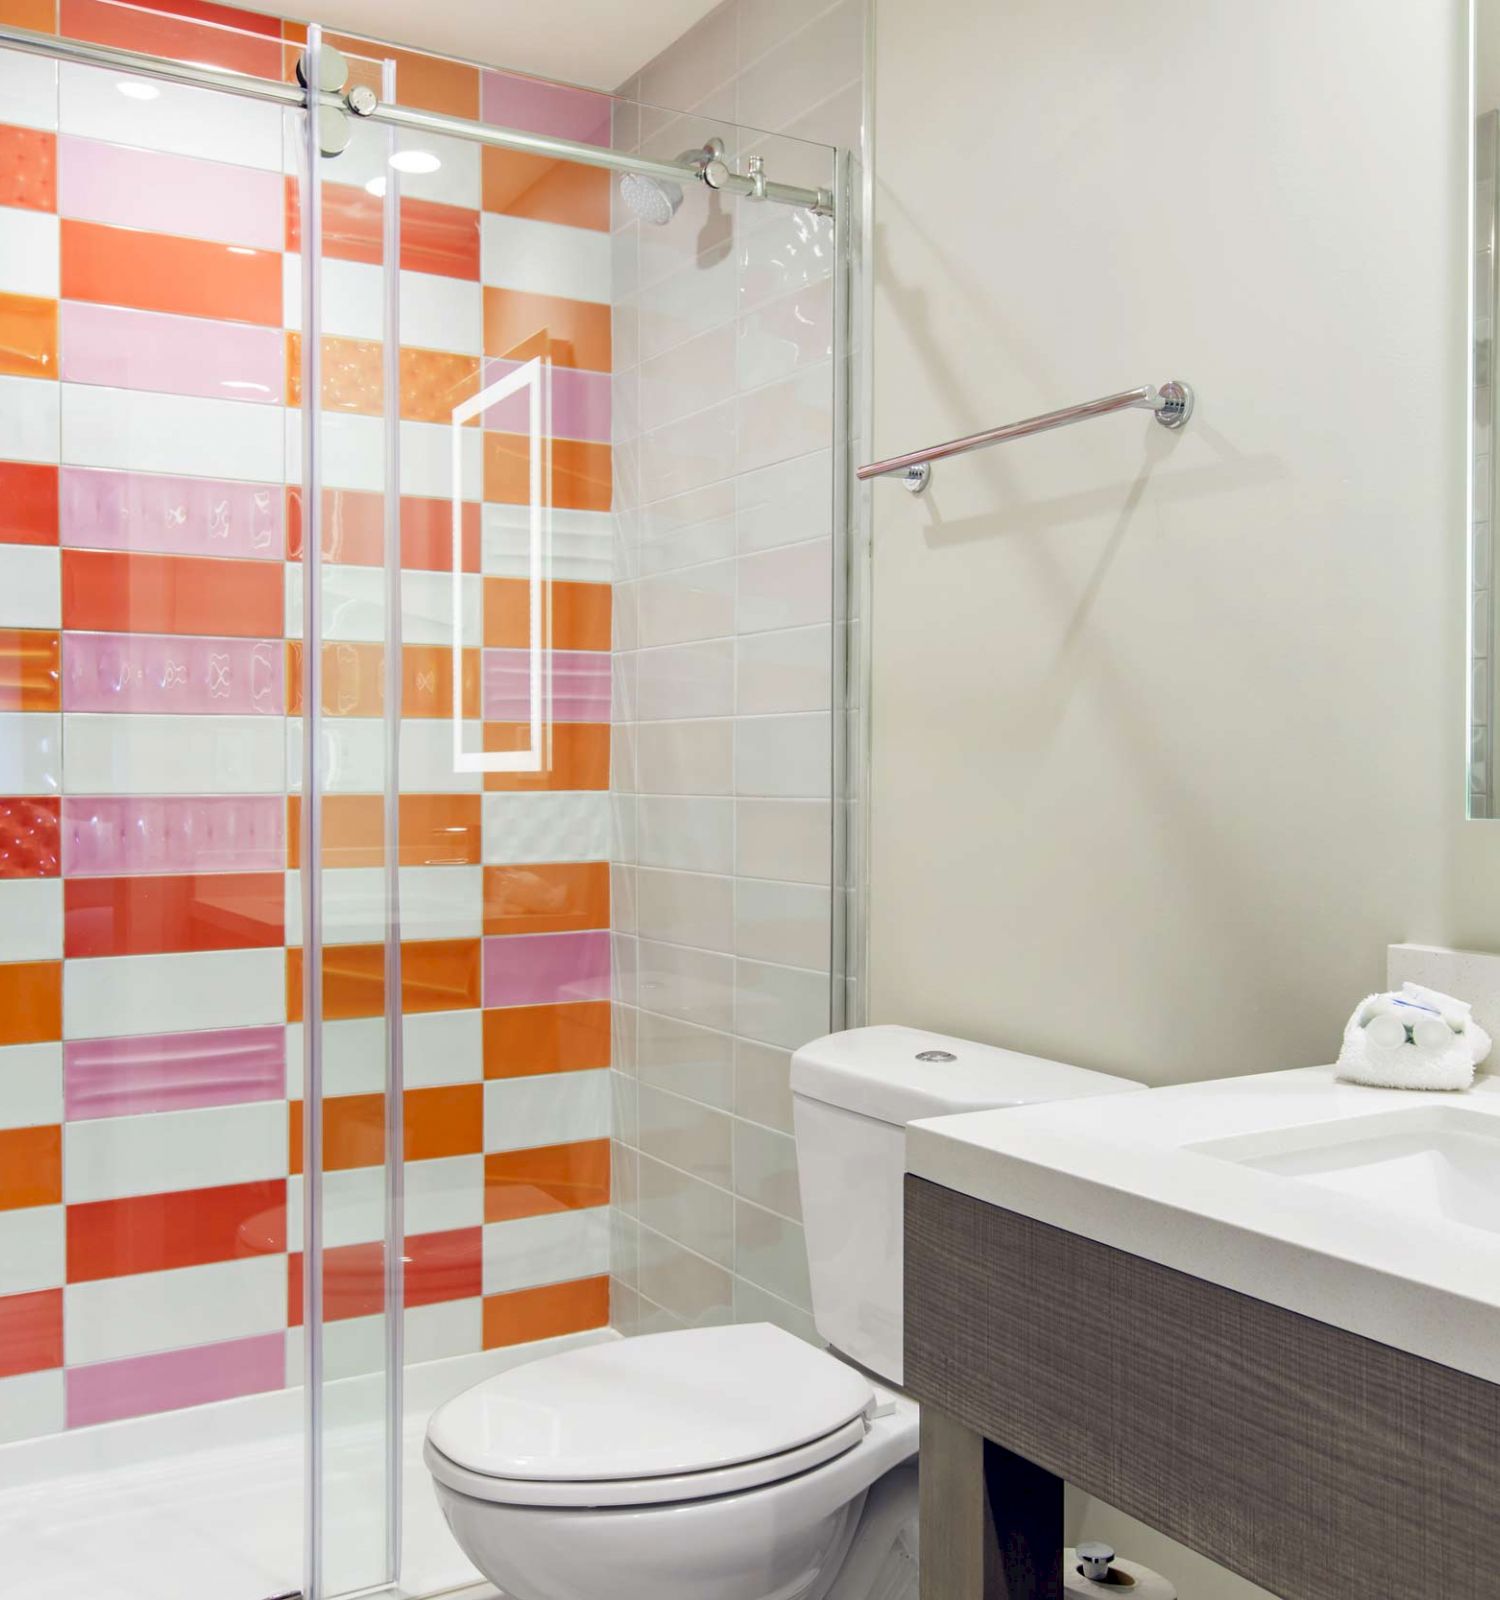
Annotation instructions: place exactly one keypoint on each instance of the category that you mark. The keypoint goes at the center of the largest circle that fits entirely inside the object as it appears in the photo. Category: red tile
(184, 912)
(186, 36)
(444, 1266)
(157, 272)
(30, 838)
(28, 169)
(28, 503)
(439, 1267)
(427, 535)
(435, 237)
(31, 1332)
(110, 591)
(158, 1232)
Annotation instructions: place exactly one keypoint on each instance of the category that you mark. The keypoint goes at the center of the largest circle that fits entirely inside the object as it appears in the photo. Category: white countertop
(1114, 1169)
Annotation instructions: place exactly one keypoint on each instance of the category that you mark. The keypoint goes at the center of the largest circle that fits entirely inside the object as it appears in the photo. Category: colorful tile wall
(150, 702)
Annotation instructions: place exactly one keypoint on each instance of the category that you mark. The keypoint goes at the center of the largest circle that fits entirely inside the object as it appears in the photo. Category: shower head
(654, 200)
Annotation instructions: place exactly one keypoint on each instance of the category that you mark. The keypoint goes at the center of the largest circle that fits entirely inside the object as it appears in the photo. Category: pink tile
(172, 1072)
(176, 355)
(164, 673)
(174, 516)
(510, 101)
(181, 195)
(142, 1385)
(525, 969)
(580, 685)
(580, 403)
(109, 837)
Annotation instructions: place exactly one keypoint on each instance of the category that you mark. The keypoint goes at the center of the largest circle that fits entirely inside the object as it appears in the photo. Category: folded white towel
(1418, 1039)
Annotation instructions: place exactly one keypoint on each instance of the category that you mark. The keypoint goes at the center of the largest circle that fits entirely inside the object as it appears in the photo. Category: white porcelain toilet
(740, 1463)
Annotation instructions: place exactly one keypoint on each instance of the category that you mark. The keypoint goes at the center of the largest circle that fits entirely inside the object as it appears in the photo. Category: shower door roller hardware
(334, 132)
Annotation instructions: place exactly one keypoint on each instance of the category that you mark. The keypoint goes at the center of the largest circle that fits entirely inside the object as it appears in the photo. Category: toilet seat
(647, 1421)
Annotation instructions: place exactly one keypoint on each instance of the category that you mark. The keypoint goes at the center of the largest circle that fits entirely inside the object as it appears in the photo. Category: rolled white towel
(1404, 1041)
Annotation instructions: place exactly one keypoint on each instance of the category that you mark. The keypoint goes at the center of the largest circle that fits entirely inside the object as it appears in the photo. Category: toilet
(740, 1462)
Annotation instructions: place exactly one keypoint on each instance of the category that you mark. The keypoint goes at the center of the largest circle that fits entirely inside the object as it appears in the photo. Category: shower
(655, 200)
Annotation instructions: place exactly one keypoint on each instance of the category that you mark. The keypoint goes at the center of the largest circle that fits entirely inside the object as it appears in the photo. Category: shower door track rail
(362, 103)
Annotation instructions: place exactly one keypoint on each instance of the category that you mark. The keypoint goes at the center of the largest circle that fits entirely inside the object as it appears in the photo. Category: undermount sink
(1374, 1210)
(1439, 1161)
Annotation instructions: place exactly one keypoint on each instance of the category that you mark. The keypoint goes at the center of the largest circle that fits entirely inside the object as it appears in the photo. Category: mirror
(1484, 656)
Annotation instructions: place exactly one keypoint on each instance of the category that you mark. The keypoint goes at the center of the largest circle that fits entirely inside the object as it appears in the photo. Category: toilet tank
(852, 1095)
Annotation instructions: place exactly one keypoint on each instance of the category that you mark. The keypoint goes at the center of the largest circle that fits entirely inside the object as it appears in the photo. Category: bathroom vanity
(1260, 1314)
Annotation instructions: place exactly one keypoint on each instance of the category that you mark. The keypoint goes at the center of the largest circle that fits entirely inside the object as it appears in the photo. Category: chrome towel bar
(1172, 404)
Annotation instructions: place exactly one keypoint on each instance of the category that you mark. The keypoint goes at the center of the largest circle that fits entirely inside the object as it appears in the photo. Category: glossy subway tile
(160, 1232)
(172, 915)
(184, 516)
(30, 838)
(173, 1072)
(158, 272)
(108, 836)
(520, 1041)
(28, 503)
(128, 349)
(546, 968)
(173, 675)
(137, 1386)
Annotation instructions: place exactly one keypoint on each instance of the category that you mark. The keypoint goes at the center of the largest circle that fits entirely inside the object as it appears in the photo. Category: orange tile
(31, 837)
(427, 535)
(446, 1121)
(441, 830)
(183, 36)
(353, 1132)
(435, 237)
(577, 756)
(558, 897)
(30, 1003)
(28, 167)
(581, 472)
(188, 1228)
(434, 383)
(37, 16)
(159, 272)
(31, 1325)
(111, 591)
(436, 975)
(546, 190)
(577, 331)
(30, 1167)
(28, 336)
(30, 670)
(353, 379)
(429, 83)
(173, 914)
(522, 1040)
(544, 1313)
(427, 681)
(353, 526)
(352, 679)
(580, 614)
(28, 503)
(557, 1177)
(353, 830)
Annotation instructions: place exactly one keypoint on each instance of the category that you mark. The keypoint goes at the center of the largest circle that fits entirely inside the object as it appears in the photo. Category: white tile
(455, 181)
(180, 119)
(109, 754)
(546, 826)
(31, 1085)
(107, 1158)
(782, 922)
(30, 586)
(118, 995)
(442, 902)
(686, 529)
(785, 419)
(353, 755)
(785, 839)
(33, 1249)
(31, 919)
(788, 670)
(444, 1194)
(684, 758)
(695, 835)
(353, 905)
(30, 753)
(353, 1057)
(689, 453)
(449, 1328)
(28, 90)
(688, 378)
(29, 418)
(783, 757)
(694, 985)
(579, 544)
(427, 461)
(784, 335)
(132, 1316)
(353, 297)
(354, 1207)
(679, 607)
(427, 757)
(549, 1108)
(686, 303)
(798, 73)
(440, 313)
(782, 251)
(553, 1248)
(354, 605)
(787, 503)
(545, 258)
(790, 587)
(31, 1404)
(688, 680)
(135, 431)
(780, 1005)
(688, 908)
(352, 449)
(28, 250)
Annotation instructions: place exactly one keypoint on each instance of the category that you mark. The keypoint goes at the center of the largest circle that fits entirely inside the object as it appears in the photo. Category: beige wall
(1168, 730)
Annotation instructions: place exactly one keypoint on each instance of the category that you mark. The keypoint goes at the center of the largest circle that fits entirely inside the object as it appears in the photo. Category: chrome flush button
(936, 1055)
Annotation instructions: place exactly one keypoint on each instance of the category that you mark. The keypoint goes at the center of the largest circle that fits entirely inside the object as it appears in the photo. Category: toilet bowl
(740, 1462)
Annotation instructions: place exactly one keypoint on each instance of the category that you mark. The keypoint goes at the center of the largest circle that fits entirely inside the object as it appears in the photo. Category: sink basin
(1436, 1161)
(1374, 1210)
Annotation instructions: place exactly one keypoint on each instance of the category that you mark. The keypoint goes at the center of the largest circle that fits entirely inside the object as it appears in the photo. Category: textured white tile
(31, 1085)
(28, 250)
(132, 1316)
(550, 1108)
(427, 461)
(30, 753)
(31, 919)
(353, 297)
(546, 826)
(440, 313)
(109, 754)
(106, 1158)
(579, 544)
(30, 586)
(783, 757)
(788, 670)
(28, 90)
(136, 431)
(547, 1249)
(29, 418)
(32, 1404)
(353, 755)
(33, 1249)
(545, 258)
(444, 1194)
(116, 995)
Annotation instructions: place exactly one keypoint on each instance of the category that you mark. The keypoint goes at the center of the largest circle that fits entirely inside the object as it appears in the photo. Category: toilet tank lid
(878, 1072)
